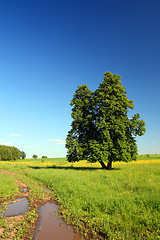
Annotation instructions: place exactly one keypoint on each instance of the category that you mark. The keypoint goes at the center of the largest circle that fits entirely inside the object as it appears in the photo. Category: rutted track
(22, 226)
(21, 219)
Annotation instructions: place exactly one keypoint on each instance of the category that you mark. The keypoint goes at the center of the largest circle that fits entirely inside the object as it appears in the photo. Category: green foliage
(9, 153)
(44, 156)
(23, 155)
(34, 156)
(101, 129)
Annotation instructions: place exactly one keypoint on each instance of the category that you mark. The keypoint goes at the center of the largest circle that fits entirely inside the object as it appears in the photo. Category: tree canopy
(23, 155)
(101, 129)
(9, 153)
(35, 156)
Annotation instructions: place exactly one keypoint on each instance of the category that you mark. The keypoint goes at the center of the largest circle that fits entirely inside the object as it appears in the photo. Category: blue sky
(48, 48)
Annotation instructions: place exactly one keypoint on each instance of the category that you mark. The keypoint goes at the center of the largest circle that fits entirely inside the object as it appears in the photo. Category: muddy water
(19, 206)
(52, 227)
(24, 190)
(46, 190)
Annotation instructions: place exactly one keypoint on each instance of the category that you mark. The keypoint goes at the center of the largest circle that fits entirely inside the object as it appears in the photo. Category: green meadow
(123, 203)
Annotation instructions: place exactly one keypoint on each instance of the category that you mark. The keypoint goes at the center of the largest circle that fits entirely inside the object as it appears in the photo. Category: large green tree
(101, 129)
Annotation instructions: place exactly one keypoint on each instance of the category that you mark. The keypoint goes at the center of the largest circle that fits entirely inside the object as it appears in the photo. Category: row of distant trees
(11, 153)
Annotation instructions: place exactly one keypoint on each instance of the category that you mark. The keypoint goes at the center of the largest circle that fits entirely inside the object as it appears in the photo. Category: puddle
(46, 190)
(19, 206)
(18, 200)
(24, 190)
(52, 227)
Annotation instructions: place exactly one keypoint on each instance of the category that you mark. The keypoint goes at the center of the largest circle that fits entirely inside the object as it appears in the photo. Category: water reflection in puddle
(46, 190)
(52, 227)
(24, 190)
(19, 206)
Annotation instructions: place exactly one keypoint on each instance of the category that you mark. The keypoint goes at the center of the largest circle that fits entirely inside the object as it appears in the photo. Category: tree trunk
(103, 165)
(109, 165)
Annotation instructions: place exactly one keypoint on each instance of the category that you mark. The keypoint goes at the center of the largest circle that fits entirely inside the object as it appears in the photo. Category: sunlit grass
(8, 186)
(120, 204)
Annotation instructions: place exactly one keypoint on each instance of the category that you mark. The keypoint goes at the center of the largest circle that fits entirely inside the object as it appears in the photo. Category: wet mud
(50, 226)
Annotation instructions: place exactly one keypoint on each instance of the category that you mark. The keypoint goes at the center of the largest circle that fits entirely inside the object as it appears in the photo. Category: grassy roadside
(22, 226)
(8, 187)
(119, 204)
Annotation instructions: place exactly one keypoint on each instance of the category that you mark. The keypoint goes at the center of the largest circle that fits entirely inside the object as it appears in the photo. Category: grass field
(120, 204)
(8, 186)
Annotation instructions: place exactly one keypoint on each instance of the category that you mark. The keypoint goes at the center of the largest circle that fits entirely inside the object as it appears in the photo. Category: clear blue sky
(49, 47)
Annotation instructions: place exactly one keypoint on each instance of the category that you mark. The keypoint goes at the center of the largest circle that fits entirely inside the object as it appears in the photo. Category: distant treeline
(10, 153)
